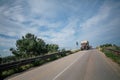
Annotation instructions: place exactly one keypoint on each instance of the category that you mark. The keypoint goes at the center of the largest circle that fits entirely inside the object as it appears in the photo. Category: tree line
(30, 45)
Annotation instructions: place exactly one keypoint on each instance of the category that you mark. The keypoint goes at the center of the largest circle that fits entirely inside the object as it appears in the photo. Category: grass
(112, 55)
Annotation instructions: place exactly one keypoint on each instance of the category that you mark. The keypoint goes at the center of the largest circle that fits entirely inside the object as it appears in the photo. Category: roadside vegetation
(112, 51)
(29, 46)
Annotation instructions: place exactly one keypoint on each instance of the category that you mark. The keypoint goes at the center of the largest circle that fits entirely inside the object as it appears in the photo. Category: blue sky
(59, 21)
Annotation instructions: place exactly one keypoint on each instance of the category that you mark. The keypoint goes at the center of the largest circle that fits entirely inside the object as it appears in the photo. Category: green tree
(41, 47)
(15, 52)
(26, 45)
(77, 43)
(30, 45)
(0, 59)
(52, 47)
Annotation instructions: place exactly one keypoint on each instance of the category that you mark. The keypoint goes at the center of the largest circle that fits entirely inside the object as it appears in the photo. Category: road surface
(83, 65)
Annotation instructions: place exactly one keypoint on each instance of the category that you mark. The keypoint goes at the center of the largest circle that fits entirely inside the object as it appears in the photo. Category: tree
(30, 45)
(15, 52)
(52, 47)
(26, 45)
(41, 46)
(77, 43)
(0, 59)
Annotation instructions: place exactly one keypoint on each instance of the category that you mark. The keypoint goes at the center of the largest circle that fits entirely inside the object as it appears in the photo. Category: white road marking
(67, 67)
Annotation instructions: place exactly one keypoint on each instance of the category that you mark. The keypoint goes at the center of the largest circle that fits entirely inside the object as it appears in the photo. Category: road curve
(83, 65)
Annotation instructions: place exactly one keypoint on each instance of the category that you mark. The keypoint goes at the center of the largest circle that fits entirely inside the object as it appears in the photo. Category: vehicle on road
(85, 45)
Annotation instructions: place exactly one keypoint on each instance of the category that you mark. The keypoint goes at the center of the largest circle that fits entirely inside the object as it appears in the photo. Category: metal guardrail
(19, 63)
(114, 51)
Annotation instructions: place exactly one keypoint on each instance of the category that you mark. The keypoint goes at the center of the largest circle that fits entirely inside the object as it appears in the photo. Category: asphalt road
(83, 65)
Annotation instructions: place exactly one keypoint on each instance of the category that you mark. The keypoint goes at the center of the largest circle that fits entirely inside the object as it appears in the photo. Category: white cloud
(5, 52)
(66, 37)
(45, 23)
(44, 8)
(52, 9)
(101, 27)
(14, 12)
(7, 43)
(103, 14)
(97, 19)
